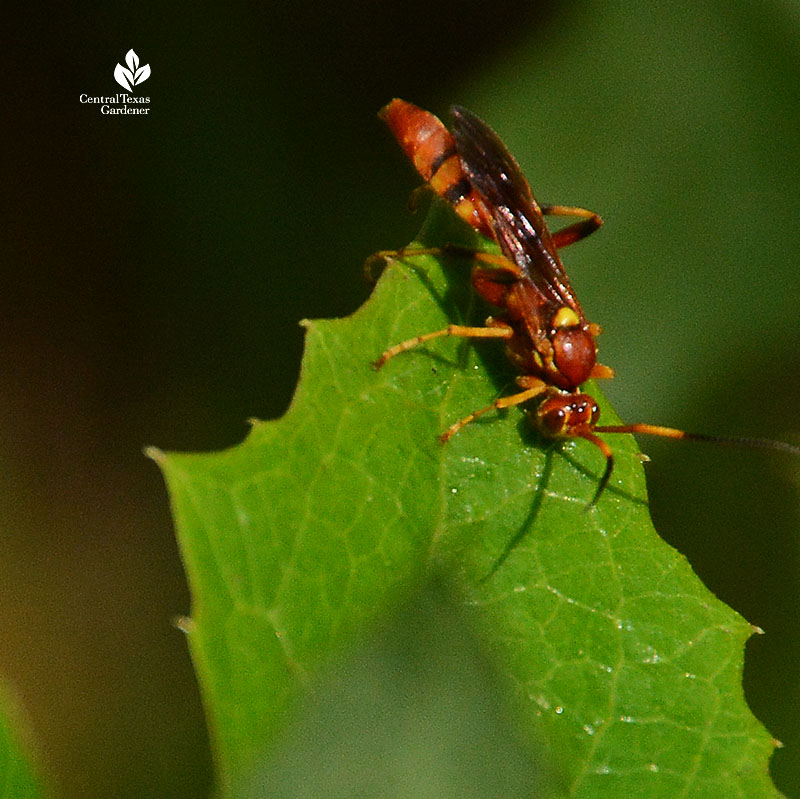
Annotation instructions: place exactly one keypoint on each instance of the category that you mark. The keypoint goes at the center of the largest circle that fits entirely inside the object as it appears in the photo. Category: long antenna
(672, 432)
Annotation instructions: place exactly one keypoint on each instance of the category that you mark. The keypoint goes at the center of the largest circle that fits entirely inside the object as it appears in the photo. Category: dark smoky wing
(491, 168)
(516, 219)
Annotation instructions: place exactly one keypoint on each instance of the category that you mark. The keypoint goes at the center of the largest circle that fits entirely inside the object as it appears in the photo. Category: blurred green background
(155, 268)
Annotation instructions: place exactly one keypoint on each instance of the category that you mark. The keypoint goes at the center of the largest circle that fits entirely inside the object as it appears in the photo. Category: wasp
(547, 337)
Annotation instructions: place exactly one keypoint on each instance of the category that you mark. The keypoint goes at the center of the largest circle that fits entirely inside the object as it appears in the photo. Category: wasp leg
(396, 255)
(532, 386)
(382, 256)
(497, 331)
(609, 456)
(417, 196)
(576, 232)
(569, 210)
(494, 260)
(601, 372)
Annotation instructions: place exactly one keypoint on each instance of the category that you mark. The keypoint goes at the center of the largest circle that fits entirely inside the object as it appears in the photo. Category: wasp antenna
(729, 441)
(746, 441)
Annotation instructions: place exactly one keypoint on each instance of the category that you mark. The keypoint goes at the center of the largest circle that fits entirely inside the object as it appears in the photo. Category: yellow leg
(601, 372)
(385, 255)
(567, 210)
(396, 255)
(535, 387)
(493, 259)
(451, 330)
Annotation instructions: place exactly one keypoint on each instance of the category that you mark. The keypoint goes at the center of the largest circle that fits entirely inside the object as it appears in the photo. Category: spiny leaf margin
(298, 539)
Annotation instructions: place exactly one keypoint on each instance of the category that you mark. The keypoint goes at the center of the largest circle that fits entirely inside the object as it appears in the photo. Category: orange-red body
(552, 338)
(431, 148)
(547, 337)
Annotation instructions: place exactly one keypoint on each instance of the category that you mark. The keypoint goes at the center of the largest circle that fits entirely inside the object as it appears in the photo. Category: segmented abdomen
(430, 146)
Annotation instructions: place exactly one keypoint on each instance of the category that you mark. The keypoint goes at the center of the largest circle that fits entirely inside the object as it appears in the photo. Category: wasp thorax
(563, 414)
(574, 353)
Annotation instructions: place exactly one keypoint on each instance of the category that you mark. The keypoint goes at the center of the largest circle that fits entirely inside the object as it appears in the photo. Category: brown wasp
(548, 339)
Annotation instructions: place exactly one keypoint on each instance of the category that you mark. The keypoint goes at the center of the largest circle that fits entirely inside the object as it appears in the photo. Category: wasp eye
(552, 416)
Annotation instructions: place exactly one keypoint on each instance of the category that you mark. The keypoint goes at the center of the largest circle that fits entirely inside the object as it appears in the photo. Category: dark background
(155, 268)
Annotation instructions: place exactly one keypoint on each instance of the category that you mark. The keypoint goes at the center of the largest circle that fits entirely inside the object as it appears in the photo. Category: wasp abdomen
(431, 148)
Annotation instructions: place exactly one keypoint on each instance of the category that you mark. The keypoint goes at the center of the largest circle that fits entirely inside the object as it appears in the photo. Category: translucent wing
(516, 218)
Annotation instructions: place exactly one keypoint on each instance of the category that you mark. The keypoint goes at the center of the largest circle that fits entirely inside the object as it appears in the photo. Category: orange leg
(498, 262)
(532, 386)
(499, 331)
(569, 210)
(381, 256)
(576, 232)
(650, 430)
(601, 372)
(609, 456)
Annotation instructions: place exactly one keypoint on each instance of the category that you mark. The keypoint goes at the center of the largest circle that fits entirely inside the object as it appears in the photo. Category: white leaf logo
(134, 74)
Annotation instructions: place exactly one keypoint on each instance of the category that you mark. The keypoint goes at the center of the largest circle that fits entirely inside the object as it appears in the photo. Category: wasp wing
(516, 218)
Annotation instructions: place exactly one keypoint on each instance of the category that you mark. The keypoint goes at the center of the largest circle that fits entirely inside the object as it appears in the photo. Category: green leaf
(300, 539)
(17, 779)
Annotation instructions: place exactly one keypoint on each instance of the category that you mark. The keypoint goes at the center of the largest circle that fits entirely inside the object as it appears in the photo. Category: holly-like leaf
(299, 539)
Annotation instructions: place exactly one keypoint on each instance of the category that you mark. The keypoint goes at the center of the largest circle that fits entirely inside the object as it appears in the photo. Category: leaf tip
(185, 624)
(155, 454)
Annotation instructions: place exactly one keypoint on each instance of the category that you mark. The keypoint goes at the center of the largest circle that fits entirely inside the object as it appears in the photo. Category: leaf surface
(301, 538)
